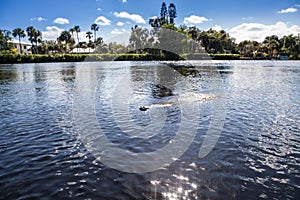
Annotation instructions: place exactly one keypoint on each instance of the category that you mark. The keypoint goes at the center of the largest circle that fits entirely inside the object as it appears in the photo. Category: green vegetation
(155, 43)
(42, 58)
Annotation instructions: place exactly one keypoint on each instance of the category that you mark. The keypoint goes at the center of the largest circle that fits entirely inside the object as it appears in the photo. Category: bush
(225, 56)
(41, 58)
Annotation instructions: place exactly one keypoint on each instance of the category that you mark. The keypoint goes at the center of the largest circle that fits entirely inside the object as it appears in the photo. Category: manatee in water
(159, 91)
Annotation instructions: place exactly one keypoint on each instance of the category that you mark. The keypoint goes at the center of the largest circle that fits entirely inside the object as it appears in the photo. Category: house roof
(82, 50)
(14, 41)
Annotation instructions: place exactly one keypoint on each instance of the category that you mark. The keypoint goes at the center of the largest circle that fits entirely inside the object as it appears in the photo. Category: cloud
(193, 19)
(99, 9)
(118, 31)
(120, 24)
(51, 33)
(61, 20)
(216, 28)
(102, 21)
(288, 10)
(124, 1)
(258, 32)
(247, 18)
(134, 17)
(39, 19)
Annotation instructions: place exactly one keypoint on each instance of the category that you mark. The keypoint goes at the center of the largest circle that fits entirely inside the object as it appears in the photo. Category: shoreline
(50, 58)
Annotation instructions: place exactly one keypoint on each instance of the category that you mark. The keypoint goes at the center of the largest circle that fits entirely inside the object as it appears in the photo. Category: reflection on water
(257, 155)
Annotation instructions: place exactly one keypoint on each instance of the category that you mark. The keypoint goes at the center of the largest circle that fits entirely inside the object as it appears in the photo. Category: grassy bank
(15, 58)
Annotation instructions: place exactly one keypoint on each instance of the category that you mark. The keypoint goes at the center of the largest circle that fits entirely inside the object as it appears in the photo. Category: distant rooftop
(14, 41)
(82, 50)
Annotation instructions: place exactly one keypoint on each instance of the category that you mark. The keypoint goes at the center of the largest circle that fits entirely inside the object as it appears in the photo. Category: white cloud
(102, 21)
(99, 9)
(120, 24)
(247, 18)
(39, 19)
(61, 20)
(124, 1)
(193, 19)
(134, 17)
(216, 28)
(258, 32)
(118, 31)
(288, 10)
(51, 33)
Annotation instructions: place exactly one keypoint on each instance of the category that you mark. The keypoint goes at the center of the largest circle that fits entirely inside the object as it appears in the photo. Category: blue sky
(243, 19)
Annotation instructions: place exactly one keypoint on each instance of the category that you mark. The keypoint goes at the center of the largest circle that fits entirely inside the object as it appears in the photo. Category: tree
(66, 37)
(89, 35)
(171, 39)
(95, 28)
(34, 36)
(37, 36)
(138, 38)
(99, 45)
(154, 22)
(272, 44)
(4, 39)
(172, 13)
(21, 34)
(77, 30)
(163, 14)
(72, 30)
(30, 31)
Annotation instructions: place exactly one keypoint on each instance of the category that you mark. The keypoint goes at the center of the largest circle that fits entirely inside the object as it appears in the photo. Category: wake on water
(188, 97)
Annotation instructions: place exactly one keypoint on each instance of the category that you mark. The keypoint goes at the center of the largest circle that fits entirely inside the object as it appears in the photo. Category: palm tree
(30, 31)
(99, 45)
(20, 33)
(94, 27)
(89, 35)
(37, 39)
(77, 30)
(72, 30)
(35, 36)
(67, 38)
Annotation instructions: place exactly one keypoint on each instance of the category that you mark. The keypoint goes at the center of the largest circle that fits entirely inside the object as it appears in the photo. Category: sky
(242, 19)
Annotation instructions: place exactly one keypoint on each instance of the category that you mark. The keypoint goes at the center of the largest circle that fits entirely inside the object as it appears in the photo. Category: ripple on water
(257, 154)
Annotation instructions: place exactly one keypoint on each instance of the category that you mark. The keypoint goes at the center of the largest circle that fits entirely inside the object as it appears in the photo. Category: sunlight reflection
(181, 188)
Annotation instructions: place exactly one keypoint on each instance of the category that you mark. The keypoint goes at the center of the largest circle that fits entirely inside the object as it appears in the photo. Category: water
(256, 156)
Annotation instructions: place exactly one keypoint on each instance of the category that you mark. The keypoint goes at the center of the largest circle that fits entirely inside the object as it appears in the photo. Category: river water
(45, 120)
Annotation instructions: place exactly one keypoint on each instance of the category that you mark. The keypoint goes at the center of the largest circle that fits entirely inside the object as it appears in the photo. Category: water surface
(256, 156)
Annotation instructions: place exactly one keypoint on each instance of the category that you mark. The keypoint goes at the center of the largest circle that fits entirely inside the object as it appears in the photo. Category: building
(82, 50)
(25, 47)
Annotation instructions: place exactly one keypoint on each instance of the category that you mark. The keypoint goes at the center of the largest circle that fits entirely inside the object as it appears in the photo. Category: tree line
(184, 39)
(63, 44)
